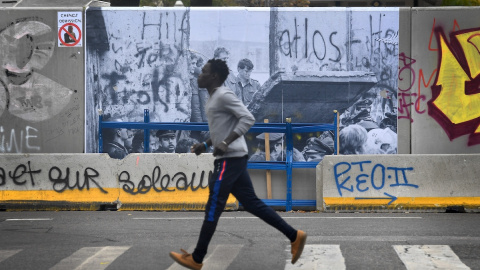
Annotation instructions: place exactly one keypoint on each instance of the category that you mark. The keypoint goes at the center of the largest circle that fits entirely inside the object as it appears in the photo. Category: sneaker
(297, 246)
(186, 260)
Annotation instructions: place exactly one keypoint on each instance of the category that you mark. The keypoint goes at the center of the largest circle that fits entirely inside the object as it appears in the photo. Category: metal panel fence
(288, 128)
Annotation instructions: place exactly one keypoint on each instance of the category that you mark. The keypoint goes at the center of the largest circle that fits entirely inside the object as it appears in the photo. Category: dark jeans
(231, 176)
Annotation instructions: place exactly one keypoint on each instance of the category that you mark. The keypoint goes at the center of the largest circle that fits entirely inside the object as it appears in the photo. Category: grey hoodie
(226, 113)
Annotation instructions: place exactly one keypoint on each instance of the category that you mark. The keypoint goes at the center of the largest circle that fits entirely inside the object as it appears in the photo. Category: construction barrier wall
(97, 182)
(60, 66)
(398, 182)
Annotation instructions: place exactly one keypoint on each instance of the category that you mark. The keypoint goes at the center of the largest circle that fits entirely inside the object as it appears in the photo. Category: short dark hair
(183, 146)
(137, 140)
(245, 63)
(109, 134)
(220, 67)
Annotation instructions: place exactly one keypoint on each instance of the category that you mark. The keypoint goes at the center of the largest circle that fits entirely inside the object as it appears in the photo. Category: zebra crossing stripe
(317, 257)
(425, 257)
(222, 257)
(5, 254)
(91, 258)
(414, 257)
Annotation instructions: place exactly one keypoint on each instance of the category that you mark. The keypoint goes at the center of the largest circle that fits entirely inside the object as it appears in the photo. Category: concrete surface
(97, 182)
(142, 240)
(398, 182)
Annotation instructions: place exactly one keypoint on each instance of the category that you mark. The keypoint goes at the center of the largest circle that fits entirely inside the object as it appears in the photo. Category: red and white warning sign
(70, 29)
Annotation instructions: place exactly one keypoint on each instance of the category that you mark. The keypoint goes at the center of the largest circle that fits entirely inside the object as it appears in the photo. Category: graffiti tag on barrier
(159, 182)
(24, 175)
(405, 70)
(387, 197)
(17, 175)
(83, 179)
(314, 44)
(456, 92)
(377, 178)
(61, 183)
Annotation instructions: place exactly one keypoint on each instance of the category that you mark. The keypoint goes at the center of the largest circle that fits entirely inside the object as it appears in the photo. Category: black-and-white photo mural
(298, 63)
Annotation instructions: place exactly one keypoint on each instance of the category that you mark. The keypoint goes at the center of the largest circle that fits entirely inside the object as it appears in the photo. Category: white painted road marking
(414, 257)
(222, 257)
(91, 258)
(201, 218)
(390, 238)
(317, 257)
(5, 254)
(425, 257)
(28, 219)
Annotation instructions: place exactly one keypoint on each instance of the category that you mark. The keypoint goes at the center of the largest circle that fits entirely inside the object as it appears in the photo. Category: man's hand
(220, 149)
(198, 148)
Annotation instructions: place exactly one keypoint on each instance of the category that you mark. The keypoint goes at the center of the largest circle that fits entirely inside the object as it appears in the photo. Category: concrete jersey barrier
(96, 182)
(180, 182)
(398, 182)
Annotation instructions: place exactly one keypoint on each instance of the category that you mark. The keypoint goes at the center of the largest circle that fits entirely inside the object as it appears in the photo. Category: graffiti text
(160, 183)
(61, 183)
(16, 175)
(10, 142)
(376, 178)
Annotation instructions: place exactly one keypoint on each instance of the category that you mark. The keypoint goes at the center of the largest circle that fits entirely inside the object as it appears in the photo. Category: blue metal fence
(288, 128)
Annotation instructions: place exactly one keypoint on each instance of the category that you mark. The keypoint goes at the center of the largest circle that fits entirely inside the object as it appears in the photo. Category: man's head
(167, 140)
(128, 141)
(312, 155)
(183, 145)
(192, 65)
(221, 53)
(245, 67)
(118, 135)
(153, 143)
(214, 73)
(352, 139)
(317, 148)
(121, 136)
(137, 142)
(275, 140)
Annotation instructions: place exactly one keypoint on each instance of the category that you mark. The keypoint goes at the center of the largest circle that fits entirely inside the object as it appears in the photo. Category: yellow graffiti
(472, 42)
(452, 100)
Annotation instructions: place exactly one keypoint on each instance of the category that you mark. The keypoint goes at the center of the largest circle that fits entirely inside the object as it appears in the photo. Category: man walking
(228, 121)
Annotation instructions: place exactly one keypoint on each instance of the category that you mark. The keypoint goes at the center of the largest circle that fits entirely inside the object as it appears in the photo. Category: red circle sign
(63, 28)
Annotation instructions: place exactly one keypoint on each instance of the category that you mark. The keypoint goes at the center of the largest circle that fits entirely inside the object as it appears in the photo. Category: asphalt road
(142, 240)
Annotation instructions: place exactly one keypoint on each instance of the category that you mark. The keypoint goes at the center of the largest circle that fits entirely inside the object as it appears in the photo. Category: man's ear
(118, 132)
(215, 76)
